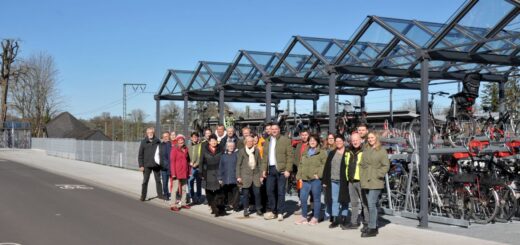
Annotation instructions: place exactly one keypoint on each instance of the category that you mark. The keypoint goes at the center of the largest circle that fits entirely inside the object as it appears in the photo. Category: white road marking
(73, 187)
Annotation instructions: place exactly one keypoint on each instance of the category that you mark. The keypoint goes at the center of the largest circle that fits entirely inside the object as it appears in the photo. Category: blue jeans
(195, 177)
(370, 199)
(337, 208)
(165, 180)
(275, 188)
(313, 186)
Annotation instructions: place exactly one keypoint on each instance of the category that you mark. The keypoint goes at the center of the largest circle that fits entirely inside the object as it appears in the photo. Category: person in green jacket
(310, 172)
(373, 168)
(277, 165)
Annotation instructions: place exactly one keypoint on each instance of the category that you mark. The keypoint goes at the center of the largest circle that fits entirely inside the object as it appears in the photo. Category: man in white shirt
(277, 165)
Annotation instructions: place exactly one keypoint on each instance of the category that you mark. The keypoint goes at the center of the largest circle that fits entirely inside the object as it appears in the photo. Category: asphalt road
(34, 210)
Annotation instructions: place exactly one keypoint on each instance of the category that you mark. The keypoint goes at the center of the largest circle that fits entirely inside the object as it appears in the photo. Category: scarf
(251, 154)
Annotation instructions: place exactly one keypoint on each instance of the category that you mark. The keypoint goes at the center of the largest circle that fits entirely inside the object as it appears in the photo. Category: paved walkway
(128, 182)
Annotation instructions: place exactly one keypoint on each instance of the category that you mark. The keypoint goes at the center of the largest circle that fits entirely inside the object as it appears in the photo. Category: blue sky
(99, 45)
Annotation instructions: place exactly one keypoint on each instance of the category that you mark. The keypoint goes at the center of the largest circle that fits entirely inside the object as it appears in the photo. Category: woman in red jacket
(180, 172)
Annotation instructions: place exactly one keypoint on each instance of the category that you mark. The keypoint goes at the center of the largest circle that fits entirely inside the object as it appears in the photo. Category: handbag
(299, 184)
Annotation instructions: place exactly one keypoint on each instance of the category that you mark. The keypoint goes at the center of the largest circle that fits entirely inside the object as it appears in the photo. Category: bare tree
(35, 94)
(9, 52)
(408, 105)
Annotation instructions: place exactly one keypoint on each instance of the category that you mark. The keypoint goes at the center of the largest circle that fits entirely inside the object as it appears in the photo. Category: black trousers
(215, 201)
(255, 191)
(146, 177)
(232, 195)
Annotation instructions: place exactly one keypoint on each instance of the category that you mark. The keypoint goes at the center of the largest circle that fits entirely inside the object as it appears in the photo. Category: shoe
(370, 233)
(186, 206)
(301, 221)
(269, 215)
(344, 222)
(298, 212)
(313, 221)
(351, 226)
(222, 213)
(280, 217)
(335, 222)
(175, 209)
(142, 199)
(228, 208)
(364, 229)
(246, 212)
(259, 212)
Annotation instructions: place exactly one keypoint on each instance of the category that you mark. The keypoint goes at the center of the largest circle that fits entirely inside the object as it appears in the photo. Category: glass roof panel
(410, 30)
(265, 60)
(326, 47)
(486, 14)
(184, 77)
(218, 69)
(478, 21)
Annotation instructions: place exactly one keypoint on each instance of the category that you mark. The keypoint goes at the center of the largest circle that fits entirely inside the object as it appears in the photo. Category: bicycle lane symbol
(73, 187)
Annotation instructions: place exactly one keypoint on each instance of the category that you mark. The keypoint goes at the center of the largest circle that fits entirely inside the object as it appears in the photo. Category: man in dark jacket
(147, 163)
(230, 137)
(164, 152)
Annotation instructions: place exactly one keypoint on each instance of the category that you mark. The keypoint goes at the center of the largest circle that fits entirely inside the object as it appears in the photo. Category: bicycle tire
(415, 126)
(484, 207)
(460, 128)
(508, 204)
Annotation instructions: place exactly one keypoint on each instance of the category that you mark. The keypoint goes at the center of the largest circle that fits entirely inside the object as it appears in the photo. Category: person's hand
(261, 179)
(220, 182)
(141, 169)
(324, 185)
(239, 180)
(264, 174)
(286, 174)
(316, 176)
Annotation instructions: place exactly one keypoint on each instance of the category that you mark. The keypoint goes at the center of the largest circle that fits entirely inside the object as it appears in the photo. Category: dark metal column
(186, 110)
(221, 107)
(314, 108)
(268, 92)
(157, 117)
(362, 103)
(391, 108)
(423, 145)
(501, 97)
(332, 95)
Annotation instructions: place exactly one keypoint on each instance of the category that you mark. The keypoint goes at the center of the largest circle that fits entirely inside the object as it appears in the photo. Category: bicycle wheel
(507, 204)
(457, 198)
(460, 128)
(415, 126)
(484, 206)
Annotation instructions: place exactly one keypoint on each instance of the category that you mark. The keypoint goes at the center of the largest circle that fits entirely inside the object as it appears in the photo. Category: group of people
(233, 169)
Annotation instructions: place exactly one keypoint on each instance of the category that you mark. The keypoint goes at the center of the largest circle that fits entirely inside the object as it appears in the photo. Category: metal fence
(15, 134)
(111, 153)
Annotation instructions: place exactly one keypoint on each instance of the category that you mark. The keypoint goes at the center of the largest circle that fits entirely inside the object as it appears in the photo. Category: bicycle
(459, 126)
(349, 118)
(500, 128)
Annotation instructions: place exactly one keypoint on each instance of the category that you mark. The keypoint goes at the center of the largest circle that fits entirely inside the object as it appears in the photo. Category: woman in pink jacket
(180, 172)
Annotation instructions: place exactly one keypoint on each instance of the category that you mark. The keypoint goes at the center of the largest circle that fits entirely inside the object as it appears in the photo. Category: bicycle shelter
(386, 53)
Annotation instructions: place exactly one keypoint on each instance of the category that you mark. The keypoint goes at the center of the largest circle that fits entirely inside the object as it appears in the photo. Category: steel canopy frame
(441, 51)
(471, 48)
